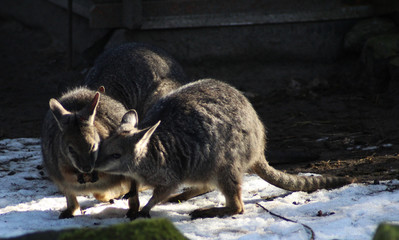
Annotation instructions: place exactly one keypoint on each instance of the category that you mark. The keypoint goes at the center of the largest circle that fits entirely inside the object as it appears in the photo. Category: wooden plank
(161, 14)
(106, 15)
(80, 7)
(132, 13)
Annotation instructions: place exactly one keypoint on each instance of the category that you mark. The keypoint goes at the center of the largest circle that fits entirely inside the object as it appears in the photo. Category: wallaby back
(136, 75)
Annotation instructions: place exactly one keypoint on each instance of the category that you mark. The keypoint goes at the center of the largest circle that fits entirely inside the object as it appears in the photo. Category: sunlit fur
(208, 135)
(135, 76)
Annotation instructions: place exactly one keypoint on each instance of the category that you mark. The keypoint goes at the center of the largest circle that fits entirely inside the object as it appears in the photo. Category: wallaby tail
(297, 183)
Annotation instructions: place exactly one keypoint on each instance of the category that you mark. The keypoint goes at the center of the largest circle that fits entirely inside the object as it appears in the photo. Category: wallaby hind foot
(232, 192)
(190, 193)
(214, 212)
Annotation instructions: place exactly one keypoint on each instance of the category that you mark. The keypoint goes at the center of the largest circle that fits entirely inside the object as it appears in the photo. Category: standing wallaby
(206, 134)
(135, 75)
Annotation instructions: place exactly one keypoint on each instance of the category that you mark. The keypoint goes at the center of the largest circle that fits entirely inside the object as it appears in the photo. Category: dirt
(318, 125)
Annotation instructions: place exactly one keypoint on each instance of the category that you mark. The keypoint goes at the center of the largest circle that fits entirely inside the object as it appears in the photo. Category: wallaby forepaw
(66, 214)
(88, 177)
(136, 215)
(94, 177)
(81, 179)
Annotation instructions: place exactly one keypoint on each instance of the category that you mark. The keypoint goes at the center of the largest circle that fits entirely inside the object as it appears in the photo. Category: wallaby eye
(116, 156)
(71, 150)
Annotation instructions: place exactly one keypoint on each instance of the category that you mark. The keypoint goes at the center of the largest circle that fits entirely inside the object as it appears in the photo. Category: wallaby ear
(130, 119)
(58, 111)
(89, 112)
(101, 89)
(141, 145)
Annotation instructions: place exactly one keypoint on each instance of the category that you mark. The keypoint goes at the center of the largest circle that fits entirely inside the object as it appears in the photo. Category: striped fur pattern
(206, 134)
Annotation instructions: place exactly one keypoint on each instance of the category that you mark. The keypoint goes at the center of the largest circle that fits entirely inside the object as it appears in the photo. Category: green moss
(387, 232)
(147, 229)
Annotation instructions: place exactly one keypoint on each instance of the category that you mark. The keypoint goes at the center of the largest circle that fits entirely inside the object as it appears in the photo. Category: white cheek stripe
(111, 167)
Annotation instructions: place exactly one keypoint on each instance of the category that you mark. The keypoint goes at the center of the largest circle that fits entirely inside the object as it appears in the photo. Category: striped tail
(298, 183)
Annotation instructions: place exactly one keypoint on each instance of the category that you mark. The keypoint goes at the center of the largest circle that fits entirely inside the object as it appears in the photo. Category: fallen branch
(307, 228)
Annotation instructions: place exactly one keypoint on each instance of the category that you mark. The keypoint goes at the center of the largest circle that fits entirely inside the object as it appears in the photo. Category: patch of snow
(387, 145)
(370, 148)
(323, 139)
(30, 202)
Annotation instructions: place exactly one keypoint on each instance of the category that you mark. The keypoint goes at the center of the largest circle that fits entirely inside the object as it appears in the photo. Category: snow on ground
(29, 202)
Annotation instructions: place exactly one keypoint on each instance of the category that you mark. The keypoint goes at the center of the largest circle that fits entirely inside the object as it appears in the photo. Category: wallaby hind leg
(231, 189)
(72, 206)
(190, 193)
(159, 194)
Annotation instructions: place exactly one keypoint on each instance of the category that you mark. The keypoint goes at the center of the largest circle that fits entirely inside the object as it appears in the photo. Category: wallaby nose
(87, 169)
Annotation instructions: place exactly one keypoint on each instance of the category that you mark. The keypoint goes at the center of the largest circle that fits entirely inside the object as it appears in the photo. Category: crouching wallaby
(135, 76)
(206, 134)
(71, 134)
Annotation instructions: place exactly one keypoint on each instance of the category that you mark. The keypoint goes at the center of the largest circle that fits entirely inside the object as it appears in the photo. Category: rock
(363, 30)
(383, 46)
(387, 232)
(379, 56)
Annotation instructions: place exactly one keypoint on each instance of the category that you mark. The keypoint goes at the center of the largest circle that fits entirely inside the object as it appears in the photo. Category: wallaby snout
(87, 168)
(85, 165)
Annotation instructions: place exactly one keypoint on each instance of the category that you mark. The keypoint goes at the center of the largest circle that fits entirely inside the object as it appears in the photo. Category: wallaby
(71, 134)
(204, 134)
(135, 75)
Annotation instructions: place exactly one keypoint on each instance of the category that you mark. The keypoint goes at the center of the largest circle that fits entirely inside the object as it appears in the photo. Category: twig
(309, 229)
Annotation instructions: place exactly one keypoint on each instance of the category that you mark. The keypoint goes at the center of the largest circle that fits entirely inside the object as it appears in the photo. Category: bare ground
(321, 126)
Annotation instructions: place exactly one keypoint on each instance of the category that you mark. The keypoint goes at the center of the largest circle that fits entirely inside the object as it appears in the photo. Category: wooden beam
(132, 13)
(106, 15)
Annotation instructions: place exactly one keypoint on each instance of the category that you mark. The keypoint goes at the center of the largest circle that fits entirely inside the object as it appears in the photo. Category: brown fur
(135, 76)
(206, 134)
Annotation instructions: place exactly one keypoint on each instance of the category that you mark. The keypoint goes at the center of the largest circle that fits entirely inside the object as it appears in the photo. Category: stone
(141, 229)
(383, 46)
(379, 57)
(387, 232)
